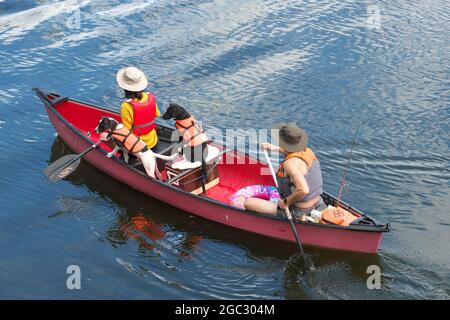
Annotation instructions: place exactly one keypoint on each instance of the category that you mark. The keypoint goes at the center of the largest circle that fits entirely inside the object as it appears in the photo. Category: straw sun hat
(132, 79)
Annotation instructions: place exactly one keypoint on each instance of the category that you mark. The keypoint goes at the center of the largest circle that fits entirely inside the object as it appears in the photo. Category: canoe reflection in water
(137, 224)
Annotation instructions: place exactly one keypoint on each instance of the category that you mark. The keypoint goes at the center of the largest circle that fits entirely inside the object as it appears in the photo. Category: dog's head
(105, 124)
(175, 111)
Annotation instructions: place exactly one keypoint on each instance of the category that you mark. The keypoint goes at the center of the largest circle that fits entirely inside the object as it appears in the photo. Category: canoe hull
(310, 235)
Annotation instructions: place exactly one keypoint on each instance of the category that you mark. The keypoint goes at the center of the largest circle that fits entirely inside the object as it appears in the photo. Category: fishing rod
(343, 183)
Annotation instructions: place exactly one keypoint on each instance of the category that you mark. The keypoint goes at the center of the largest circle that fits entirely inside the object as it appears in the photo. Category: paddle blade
(62, 167)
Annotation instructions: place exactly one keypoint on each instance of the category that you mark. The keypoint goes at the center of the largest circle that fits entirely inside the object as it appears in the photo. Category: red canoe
(75, 122)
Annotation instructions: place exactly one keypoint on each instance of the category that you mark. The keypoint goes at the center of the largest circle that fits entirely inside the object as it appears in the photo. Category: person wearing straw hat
(139, 111)
(299, 177)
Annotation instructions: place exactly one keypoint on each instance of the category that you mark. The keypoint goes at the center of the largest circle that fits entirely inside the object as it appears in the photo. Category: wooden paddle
(67, 164)
(287, 211)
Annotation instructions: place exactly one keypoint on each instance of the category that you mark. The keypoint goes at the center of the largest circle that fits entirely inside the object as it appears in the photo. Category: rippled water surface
(234, 64)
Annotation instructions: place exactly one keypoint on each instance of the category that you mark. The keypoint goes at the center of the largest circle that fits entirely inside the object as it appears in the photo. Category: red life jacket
(144, 114)
(191, 131)
(129, 140)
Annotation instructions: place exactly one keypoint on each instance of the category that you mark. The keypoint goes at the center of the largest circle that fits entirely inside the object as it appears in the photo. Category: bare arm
(293, 170)
(271, 147)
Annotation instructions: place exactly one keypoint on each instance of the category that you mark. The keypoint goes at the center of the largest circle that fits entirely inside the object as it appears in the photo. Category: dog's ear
(99, 128)
(178, 112)
(105, 123)
(113, 123)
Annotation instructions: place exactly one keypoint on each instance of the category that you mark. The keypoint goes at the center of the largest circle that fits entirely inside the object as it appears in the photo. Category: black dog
(190, 132)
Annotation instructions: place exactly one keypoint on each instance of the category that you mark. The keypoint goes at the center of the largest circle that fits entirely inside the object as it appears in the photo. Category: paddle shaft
(79, 156)
(89, 149)
(297, 238)
(287, 211)
(272, 171)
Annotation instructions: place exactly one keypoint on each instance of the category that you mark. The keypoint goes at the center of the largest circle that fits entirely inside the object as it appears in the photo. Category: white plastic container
(316, 214)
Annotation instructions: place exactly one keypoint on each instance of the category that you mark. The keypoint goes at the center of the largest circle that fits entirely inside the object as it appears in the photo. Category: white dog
(127, 141)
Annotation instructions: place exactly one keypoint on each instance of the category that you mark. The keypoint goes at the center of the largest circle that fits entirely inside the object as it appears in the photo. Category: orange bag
(338, 216)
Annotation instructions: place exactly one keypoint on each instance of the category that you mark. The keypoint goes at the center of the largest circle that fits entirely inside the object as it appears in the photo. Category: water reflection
(140, 219)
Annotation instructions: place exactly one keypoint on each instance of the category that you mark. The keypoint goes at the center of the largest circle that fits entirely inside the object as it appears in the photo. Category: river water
(235, 64)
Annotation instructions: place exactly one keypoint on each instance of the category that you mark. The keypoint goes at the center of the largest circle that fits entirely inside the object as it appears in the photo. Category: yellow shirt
(126, 112)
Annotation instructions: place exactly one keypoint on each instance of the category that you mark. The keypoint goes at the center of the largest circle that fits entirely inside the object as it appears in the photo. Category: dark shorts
(297, 212)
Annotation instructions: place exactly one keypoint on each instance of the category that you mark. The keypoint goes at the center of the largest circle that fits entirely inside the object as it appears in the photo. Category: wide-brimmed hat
(132, 79)
(291, 137)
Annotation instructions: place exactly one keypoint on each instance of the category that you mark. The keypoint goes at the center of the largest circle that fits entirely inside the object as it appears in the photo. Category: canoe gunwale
(50, 104)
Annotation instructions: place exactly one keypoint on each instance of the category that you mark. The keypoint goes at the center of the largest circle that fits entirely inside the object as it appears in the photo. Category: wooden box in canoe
(193, 181)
